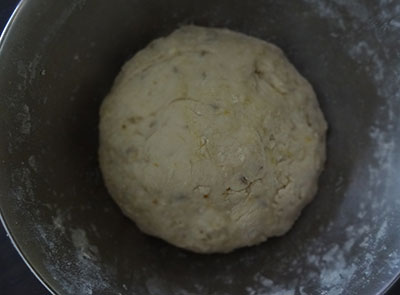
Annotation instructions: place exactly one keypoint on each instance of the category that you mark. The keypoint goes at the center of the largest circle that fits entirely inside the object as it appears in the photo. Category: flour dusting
(264, 286)
(32, 163)
(24, 118)
(84, 274)
(58, 222)
(84, 249)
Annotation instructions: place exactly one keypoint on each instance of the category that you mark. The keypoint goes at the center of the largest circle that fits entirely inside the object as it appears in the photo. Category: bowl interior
(58, 61)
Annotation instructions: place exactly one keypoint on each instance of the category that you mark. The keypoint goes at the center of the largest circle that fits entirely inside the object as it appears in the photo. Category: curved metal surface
(58, 60)
(2, 220)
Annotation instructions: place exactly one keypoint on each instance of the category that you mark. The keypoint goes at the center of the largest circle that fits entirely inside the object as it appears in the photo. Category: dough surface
(211, 140)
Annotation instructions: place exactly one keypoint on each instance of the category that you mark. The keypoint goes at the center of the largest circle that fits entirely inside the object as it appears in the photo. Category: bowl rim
(23, 257)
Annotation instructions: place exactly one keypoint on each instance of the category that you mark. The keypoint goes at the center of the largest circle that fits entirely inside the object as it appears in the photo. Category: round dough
(211, 140)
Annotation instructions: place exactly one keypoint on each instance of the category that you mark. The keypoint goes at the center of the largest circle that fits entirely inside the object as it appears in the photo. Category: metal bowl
(58, 60)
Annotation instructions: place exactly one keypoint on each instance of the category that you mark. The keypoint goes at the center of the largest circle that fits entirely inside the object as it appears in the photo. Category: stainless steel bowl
(57, 62)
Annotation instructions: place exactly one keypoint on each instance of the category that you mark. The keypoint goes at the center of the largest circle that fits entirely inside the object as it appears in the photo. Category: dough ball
(211, 140)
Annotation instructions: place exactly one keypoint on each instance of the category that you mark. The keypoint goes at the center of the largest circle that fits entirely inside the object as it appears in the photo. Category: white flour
(84, 274)
(24, 117)
(264, 286)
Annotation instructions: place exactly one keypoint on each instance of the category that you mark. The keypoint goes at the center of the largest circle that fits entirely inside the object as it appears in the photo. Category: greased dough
(211, 140)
